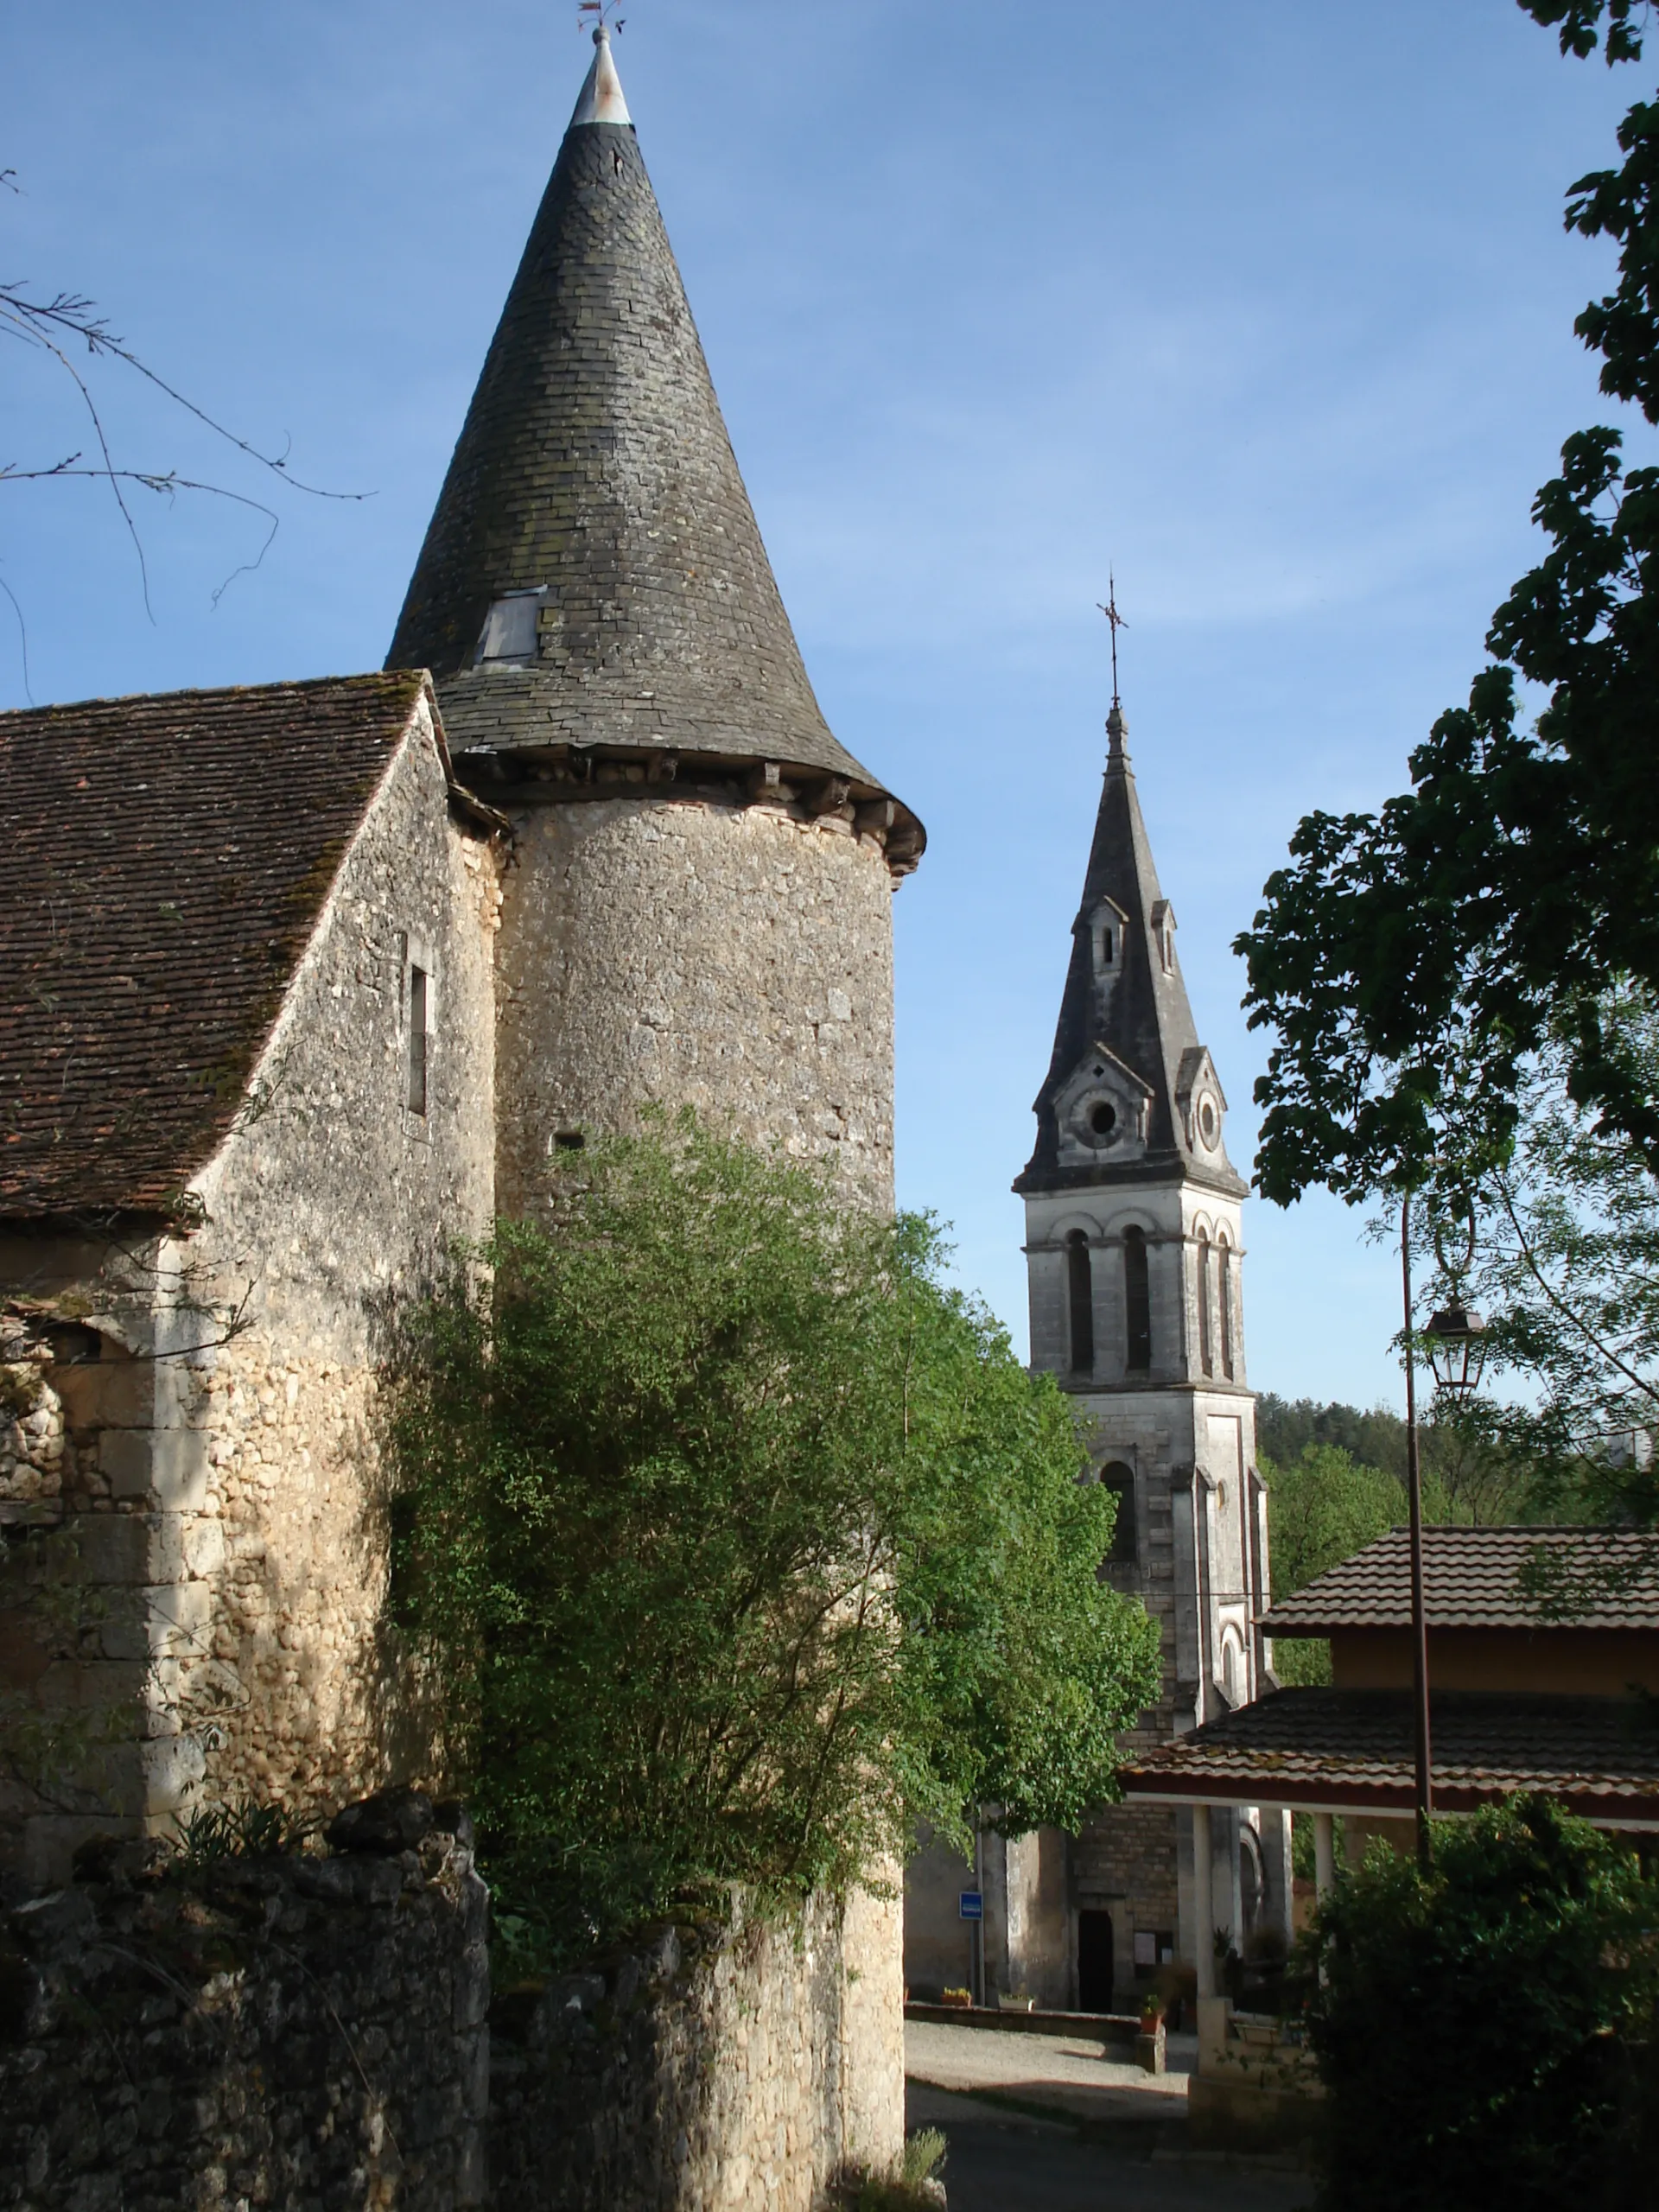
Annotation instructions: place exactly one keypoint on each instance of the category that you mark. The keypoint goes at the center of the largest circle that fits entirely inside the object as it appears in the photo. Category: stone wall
(690, 951)
(316, 2033)
(289, 2032)
(736, 2068)
(202, 1405)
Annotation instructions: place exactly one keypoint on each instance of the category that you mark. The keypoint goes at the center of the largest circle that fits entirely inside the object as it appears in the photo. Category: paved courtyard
(1048, 2124)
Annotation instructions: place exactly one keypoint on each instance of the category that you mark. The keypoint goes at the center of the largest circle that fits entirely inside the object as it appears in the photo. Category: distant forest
(1336, 1480)
(1465, 1477)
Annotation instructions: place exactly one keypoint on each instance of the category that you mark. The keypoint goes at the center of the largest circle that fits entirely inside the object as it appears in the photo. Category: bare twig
(48, 324)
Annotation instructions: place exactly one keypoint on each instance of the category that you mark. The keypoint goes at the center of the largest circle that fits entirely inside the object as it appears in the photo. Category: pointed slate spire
(593, 574)
(1125, 1098)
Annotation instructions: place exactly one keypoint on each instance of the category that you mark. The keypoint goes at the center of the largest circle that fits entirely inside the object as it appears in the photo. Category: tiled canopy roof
(166, 858)
(1337, 1750)
(1471, 1579)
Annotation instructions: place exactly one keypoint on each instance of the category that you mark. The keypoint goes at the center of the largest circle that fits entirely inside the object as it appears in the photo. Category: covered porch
(1349, 1754)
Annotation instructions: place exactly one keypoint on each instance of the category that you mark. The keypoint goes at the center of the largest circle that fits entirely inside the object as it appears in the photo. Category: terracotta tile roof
(1471, 1580)
(166, 858)
(1337, 1748)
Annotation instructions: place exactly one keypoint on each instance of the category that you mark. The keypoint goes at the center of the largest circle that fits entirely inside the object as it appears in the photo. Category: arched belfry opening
(1137, 1303)
(1226, 1301)
(1080, 1303)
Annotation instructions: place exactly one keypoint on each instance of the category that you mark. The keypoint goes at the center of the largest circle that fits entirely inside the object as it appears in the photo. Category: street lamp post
(1418, 1616)
(1457, 1350)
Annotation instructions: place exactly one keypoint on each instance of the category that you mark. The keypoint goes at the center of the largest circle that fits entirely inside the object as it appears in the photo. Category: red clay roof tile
(1472, 1579)
(166, 859)
(1355, 1748)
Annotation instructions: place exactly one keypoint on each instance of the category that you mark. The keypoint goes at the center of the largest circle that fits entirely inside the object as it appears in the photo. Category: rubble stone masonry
(312, 2030)
(198, 1408)
(690, 952)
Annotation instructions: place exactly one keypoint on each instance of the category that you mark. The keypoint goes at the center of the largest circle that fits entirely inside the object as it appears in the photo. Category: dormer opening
(508, 638)
(1106, 926)
(1163, 934)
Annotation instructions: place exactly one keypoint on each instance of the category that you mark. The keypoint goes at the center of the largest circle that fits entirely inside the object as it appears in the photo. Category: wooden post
(1324, 1854)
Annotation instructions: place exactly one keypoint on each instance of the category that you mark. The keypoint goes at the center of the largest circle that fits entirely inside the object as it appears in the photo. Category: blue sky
(1267, 304)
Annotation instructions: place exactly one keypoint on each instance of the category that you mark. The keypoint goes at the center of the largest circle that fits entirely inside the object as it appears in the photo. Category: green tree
(741, 1544)
(1565, 1266)
(1412, 963)
(1485, 2031)
(1475, 1476)
(1322, 1507)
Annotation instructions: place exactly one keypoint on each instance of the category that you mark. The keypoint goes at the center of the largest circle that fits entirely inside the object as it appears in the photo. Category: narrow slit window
(1080, 1290)
(1137, 1303)
(1205, 1349)
(419, 1010)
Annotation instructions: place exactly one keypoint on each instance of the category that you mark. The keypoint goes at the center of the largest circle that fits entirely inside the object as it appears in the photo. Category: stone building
(1134, 1249)
(299, 981)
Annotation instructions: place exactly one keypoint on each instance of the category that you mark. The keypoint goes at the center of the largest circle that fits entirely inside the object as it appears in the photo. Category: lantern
(1457, 1349)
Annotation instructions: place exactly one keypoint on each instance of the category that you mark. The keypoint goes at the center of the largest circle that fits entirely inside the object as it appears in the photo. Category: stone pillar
(1202, 1910)
(1275, 1839)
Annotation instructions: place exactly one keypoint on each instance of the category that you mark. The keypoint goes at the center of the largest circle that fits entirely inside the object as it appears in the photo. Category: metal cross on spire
(1109, 610)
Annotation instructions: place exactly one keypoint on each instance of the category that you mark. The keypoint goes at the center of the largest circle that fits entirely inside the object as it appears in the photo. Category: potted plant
(1152, 2012)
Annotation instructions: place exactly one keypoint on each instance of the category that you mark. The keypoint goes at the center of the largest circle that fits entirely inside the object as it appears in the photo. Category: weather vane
(1109, 610)
(599, 15)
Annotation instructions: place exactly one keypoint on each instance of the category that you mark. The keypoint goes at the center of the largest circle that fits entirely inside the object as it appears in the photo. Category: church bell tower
(1134, 1251)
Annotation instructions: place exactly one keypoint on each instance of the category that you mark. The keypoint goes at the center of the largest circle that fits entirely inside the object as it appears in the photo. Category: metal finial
(601, 16)
(1109, 610)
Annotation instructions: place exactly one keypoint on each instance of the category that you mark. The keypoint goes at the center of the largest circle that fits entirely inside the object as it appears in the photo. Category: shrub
(740, 1543)
(1485, 2032)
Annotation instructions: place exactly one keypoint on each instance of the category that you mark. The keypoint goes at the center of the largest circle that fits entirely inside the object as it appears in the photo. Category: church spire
(593, 574)
(1131, 1095)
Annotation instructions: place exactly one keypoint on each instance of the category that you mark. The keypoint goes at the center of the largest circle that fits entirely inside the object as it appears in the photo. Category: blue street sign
(970, 1905)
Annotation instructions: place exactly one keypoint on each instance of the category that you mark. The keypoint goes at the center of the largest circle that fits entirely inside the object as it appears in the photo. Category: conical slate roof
(595, 469)
(1127, 1016)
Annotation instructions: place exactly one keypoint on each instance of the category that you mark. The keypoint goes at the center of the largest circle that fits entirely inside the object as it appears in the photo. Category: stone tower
(1134, 1249)
(697, 909)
